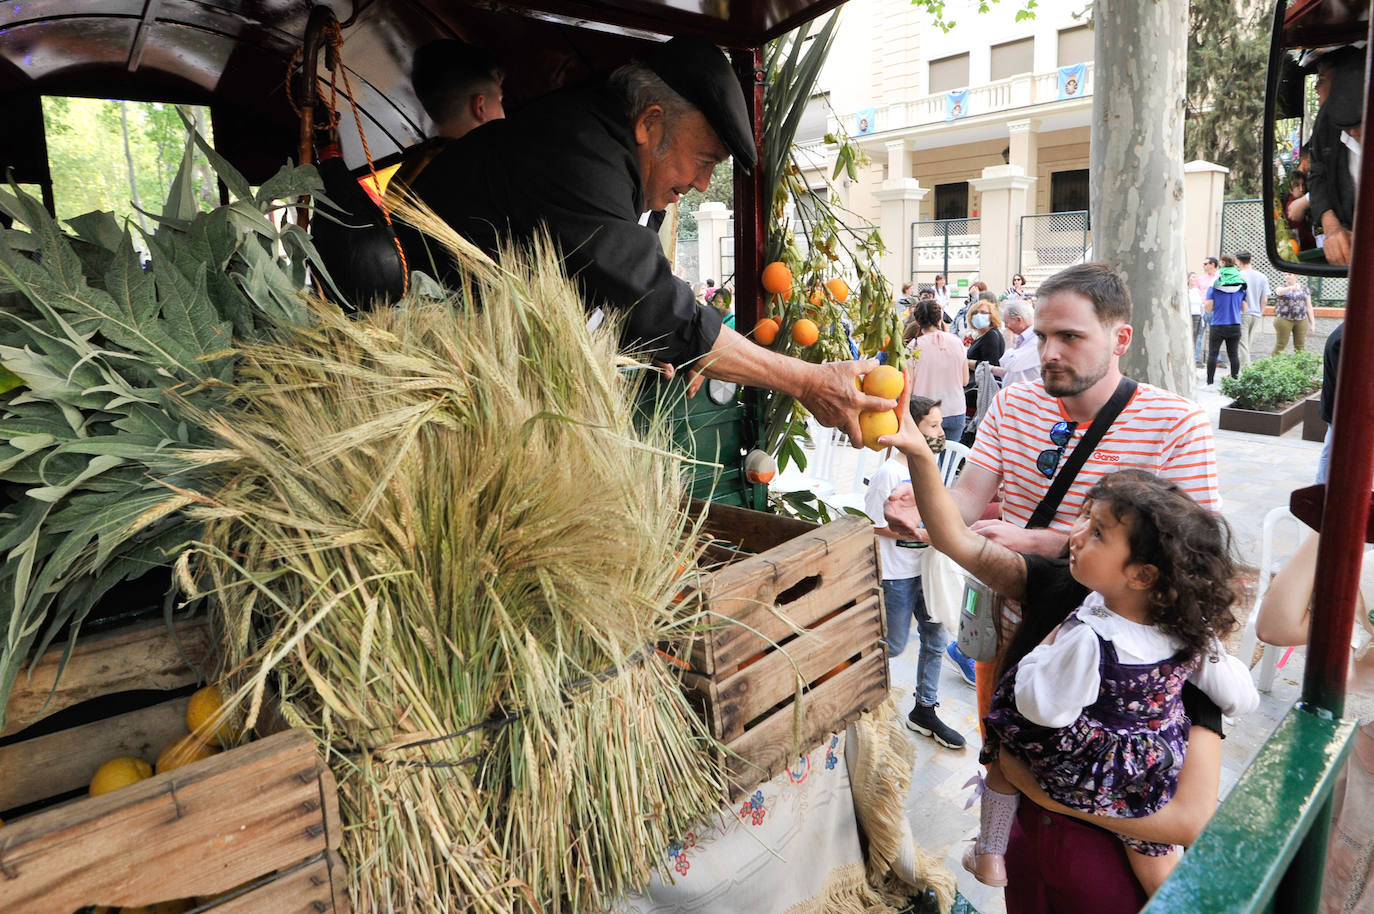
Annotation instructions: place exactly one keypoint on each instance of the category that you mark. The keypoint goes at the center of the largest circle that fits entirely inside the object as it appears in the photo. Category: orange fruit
(119, 772)
(873, 424)
(805, 332)
(766, 331)
(839, 289)
(884, 381)
(777, 278)
(817, 299)
(184, 751)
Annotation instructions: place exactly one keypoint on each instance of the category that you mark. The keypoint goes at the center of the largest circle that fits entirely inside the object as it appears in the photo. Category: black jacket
(568, 161)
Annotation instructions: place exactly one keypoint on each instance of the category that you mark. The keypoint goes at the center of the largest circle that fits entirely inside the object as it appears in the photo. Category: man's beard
(1063, 382)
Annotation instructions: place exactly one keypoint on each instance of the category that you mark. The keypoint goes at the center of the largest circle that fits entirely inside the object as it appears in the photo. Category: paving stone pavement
(1256, 474)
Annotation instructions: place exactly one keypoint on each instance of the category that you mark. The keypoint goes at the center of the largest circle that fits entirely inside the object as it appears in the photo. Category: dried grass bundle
(441, 537)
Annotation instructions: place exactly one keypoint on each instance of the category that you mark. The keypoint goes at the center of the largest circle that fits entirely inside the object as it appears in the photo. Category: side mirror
(1313, 127)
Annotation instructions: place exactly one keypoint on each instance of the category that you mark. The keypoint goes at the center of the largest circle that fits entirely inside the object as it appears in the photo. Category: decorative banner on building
(956, 104)
(1071, 80)
(865, 121)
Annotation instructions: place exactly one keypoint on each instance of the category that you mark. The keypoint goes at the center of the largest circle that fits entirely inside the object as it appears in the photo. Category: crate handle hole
(799, 589)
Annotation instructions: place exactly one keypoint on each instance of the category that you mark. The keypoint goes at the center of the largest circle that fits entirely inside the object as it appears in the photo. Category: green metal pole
(1300, 889)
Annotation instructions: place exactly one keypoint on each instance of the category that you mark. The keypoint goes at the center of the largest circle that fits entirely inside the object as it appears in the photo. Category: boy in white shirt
(902, 561)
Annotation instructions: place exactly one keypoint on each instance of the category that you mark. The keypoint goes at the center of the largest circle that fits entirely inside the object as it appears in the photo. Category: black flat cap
(1345, 99)
(699, 72)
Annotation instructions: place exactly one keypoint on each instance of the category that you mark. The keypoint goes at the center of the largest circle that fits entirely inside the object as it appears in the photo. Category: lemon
(190, 748)
(202, 710)
(883, 381)
(873, 424)
(119, 772)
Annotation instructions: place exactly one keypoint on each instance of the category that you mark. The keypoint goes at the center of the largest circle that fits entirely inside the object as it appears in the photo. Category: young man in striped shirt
(1082, 328)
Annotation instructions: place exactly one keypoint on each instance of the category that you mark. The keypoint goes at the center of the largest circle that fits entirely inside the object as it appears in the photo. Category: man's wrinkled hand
(834, 399)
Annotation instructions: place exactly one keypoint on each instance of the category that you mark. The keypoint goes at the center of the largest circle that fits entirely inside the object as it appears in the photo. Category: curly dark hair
(1189, 545)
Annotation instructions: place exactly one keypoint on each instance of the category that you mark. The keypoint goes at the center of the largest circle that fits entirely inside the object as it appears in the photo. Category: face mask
(936, 442)
(980, 321)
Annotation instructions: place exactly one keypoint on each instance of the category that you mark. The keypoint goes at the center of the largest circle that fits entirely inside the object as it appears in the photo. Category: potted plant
(1268, 395)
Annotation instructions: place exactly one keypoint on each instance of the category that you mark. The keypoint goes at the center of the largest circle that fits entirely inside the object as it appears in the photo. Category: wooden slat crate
(821, 579)
(260, 820)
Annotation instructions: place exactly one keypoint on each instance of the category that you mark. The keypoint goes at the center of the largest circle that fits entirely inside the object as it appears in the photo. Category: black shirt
(1331, 363)
(569, 162)
(988, 347)
(1051, 594)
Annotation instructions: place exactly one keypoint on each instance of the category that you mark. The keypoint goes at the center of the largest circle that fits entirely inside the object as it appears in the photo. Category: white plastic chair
(1269, 564)
(851, 494)
(954, 456)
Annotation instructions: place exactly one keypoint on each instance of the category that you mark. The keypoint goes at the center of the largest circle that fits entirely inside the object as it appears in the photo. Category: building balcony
(1025, 95)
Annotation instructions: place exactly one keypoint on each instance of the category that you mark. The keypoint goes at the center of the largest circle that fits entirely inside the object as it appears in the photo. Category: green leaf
(9, 380)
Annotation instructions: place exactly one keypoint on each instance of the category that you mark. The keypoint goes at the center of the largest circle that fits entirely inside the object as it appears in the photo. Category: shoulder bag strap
(1044, 512)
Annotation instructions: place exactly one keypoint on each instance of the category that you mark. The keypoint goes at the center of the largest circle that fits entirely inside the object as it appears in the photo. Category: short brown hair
(1096, 282)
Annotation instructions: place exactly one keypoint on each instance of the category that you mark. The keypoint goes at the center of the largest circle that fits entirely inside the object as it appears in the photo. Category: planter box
(804, 604)
(257, 825)
(1313, 425)
(1261, 423)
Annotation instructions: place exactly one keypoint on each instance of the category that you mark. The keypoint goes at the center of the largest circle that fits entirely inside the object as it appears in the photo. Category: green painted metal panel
(1238, 862)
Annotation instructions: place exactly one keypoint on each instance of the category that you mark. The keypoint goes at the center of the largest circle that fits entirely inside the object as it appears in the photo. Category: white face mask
(980, 321)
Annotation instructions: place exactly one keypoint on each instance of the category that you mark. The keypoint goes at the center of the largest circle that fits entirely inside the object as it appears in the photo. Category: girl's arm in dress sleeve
(1059, 678)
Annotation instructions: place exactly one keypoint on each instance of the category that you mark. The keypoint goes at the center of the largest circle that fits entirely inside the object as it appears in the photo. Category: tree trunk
(1137, 178)
(129, 166)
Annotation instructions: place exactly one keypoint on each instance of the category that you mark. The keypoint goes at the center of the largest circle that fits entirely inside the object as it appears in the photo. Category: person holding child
(1137, 539)
(903, 595)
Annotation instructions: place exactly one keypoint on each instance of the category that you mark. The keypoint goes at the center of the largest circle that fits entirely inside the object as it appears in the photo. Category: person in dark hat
(1337, 132)
(596, 167)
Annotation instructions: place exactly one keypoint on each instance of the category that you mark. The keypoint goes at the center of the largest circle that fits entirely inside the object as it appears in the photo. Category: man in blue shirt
(1226, 303)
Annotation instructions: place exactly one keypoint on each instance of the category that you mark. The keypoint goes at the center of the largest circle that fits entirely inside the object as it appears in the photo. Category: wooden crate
(260, 820)
(782, 575)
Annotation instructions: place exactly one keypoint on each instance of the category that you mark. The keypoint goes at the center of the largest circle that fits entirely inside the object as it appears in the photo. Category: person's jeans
(953, 427)
(902, 599)
(1229, 334)
(1324, 461)
(1249, 323)
(1199, 328)
(1283, 327)
(1200, 343)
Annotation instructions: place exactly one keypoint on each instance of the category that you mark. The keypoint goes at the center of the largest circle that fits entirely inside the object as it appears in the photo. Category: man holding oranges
(595, 168)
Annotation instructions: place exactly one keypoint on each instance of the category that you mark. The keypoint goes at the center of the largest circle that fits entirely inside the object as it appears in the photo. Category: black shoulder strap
(1044, 512)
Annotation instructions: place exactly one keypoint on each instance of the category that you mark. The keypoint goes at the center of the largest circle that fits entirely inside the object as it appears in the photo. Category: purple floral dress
(1122, 756)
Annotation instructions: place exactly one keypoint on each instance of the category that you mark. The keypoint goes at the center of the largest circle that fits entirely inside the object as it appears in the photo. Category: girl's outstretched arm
(1285, 613)
(995, 565)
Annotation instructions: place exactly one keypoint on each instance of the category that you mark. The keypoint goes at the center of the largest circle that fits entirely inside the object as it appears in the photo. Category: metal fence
(1052, 241)
(1242, 229)
(942, 246)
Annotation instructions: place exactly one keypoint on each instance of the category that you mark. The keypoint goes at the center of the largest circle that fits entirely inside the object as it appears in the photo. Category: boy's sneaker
(922, 719)
(962, 663)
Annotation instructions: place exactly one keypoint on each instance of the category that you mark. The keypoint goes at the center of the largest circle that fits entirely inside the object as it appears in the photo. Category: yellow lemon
(883, 381)
(119, 772)
(190, 748)
(876, 423)
(202, 710)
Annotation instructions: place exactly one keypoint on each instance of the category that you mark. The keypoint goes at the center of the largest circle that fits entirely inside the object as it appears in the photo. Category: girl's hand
(908, 439)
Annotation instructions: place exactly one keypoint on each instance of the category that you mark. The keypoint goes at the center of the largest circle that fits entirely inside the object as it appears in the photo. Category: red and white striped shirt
(1158, 431)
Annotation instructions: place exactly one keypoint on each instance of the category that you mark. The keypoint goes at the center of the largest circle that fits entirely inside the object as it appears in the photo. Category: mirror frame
(1271, 89)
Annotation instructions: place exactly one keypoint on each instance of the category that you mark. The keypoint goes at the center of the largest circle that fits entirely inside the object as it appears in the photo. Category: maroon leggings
(1059, 865)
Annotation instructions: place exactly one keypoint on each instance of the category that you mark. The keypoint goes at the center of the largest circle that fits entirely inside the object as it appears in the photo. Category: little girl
(1096, 710)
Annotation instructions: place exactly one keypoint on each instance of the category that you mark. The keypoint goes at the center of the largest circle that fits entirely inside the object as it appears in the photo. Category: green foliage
(827, 247)
(936, 9)
(107, 350)
(1273, 382)
(1228, 53)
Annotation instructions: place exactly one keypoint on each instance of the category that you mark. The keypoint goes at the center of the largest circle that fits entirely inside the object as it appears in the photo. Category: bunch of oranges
(776, 279)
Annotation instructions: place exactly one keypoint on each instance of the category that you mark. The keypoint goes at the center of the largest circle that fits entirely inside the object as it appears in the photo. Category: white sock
(994, 821)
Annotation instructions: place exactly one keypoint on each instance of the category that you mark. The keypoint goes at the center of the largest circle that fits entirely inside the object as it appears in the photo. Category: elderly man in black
(596, 167)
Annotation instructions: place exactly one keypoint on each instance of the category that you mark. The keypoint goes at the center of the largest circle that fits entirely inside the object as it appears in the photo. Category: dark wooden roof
(233, 54)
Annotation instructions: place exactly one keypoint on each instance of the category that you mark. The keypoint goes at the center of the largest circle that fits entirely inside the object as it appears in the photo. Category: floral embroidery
(830, 758)
(752, 809)
(677, 851)
(798, 773)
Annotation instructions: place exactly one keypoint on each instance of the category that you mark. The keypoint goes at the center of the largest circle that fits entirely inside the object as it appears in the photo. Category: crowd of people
(1227, 302)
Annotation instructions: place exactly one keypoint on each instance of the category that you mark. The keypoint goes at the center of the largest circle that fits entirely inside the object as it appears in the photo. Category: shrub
(1269, 383)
